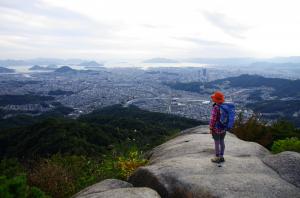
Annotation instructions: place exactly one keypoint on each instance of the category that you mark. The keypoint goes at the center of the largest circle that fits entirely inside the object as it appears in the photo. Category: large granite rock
(182, 168)
(102, 186)
(114, 188)
(287, 165)
(126, 193)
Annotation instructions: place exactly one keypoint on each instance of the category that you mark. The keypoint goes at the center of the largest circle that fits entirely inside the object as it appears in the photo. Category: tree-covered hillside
(90, 134)
(51, 155)
(23, 99)
(20, 118)
(282, 87)
(278, 109)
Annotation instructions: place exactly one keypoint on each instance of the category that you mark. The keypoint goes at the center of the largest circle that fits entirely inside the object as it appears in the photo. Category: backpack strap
(220, 125)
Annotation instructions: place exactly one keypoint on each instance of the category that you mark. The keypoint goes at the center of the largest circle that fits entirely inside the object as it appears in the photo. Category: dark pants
(219, 143)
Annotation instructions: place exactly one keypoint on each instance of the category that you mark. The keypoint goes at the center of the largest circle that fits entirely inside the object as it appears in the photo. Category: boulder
(287, 165)
(115, 188)
(102, 186)
(182, 168)
(126, 193)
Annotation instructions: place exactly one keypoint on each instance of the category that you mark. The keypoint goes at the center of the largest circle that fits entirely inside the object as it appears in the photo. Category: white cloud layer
(139, 29)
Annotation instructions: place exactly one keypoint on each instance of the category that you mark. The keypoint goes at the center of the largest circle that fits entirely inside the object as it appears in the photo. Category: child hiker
(218, 133)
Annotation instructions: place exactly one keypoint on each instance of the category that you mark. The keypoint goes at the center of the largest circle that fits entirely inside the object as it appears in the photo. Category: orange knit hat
(218, 97)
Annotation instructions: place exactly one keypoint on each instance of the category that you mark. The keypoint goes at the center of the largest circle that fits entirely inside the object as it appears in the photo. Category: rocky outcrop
(287, 165)
(126, 193)
(181, 168)
(114, 188)
(105, 185)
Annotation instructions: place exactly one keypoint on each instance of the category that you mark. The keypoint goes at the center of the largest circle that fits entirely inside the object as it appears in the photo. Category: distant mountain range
(52, 66)
(69, 70)
(62, 69)
(91, 64)
(65, 69)
(244, 61)
(6, 70)
(40, 68)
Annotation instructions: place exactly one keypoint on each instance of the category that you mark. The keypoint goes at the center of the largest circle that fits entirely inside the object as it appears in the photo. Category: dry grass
(52, 178)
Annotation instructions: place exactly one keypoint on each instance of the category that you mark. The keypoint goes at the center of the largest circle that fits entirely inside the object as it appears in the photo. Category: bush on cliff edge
(289, 144)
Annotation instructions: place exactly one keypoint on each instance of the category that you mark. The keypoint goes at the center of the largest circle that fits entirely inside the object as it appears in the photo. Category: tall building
(204, 72)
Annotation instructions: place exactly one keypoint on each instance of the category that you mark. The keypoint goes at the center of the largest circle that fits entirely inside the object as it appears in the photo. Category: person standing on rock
(218, 133)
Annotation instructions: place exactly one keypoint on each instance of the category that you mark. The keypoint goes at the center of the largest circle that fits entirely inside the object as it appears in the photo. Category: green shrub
(63, 176)
(13, 187)
(122, 163)
(11, 168)
(289, 144)
(13, 181)
(253, 130)
(282, 129)
(256, 130)
(127, 164)
(36, 193)
(17, 187)
(84, 170)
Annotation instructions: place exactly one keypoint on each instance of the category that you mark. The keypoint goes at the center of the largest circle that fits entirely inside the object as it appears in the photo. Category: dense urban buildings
(86, 90)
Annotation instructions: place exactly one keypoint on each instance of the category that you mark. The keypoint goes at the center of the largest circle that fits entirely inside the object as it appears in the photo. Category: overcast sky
(141, 29)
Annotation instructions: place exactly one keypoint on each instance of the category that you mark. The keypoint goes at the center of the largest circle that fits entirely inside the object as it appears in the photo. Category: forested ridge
(51, 155)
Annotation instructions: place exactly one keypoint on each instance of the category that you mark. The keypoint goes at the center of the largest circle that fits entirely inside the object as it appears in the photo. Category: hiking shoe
(222, 159)
(216, 160)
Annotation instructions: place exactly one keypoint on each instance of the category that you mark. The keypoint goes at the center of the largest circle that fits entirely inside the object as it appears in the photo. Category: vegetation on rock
(274, 136)
(288, 144)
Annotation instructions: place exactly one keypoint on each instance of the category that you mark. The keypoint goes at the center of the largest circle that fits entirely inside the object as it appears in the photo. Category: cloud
(204, 42)
(212, 48)
(38, 7)
(145, 29)
(38, 18)
(34, 27)
(150, 26)
(226, 24)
